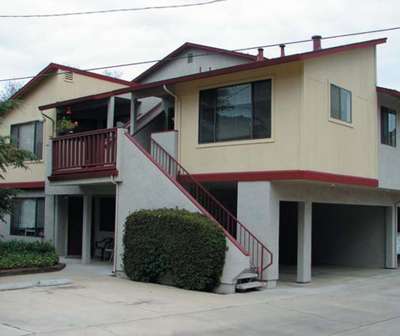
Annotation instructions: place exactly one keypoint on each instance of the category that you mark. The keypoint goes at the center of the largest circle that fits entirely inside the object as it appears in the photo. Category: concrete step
(245, 286)
(247, 275)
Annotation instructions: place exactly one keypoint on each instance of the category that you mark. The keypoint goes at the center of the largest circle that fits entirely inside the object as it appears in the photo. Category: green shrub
(22, 254)
(174, 247)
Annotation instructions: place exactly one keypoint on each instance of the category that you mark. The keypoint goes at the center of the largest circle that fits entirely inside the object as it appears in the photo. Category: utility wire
(106, 11)
(206, 54)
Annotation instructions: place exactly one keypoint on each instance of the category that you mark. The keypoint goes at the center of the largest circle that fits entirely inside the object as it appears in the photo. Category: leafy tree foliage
(10, 155)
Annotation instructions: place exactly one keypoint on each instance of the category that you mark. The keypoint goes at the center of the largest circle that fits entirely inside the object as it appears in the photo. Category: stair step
(247, 275)
(249, 285)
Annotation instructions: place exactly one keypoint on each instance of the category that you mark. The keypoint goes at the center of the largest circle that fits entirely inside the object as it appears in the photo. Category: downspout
(55, 198)
(116, 224)
(172, 94)
(165, 88)
(53, 122)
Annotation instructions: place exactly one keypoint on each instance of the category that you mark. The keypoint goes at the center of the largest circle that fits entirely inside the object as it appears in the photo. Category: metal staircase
(260, 256)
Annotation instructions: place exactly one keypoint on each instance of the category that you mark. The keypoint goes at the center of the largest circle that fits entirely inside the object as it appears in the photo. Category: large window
(388, 126)
(29, 136)
(236, 112)
(27, 217)
(340, 104)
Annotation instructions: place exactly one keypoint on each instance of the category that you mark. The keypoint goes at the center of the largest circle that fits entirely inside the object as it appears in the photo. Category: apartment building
(294, 156)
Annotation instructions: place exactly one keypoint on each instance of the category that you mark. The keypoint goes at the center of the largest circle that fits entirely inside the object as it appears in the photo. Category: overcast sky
(28, 45)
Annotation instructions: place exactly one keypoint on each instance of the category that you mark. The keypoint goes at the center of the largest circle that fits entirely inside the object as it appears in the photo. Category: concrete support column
(49, 219)
(391, 237)
(258, 210)
(60, 224)
(86, 228)
(304, 242)
(133, 114)
(110, 112)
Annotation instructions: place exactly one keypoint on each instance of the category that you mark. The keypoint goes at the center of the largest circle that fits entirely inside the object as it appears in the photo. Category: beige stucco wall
(279, 152)
(50, 90)
(303, 136)
(336, 147)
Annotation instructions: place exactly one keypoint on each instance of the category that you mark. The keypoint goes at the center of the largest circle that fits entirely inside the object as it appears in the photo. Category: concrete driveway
(339, 302)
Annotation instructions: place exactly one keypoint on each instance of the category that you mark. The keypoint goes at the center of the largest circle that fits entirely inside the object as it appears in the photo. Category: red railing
(260, 256)
(87, 151)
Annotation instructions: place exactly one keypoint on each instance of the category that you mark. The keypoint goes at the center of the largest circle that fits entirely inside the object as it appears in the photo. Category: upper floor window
(388, 126)
(29, 136)
(27, 217)
(340, 104)
(237, 112)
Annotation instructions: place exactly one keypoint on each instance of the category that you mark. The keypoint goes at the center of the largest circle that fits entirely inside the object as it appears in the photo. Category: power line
(208, 53)
(106, 11)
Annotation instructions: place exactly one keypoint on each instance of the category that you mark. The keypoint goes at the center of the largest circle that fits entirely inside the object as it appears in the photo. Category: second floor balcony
(84, 155)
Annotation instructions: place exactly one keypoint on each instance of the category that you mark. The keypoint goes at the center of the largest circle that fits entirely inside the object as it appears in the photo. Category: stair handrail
(252, 239)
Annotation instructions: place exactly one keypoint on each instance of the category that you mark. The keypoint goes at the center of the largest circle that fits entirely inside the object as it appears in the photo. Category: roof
(391, 92)
(53, 67)
(237, 68)
(189, 45)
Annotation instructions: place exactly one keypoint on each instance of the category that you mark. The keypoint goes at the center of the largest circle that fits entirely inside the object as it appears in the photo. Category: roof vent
(68, 76)
(282, 46)
(260, 55)
(317, 42)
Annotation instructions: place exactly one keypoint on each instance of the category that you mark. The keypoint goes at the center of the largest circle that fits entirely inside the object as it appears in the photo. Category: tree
(10, 155)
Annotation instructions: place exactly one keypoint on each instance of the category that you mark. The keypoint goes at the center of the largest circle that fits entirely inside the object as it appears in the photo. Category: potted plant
(65, 126)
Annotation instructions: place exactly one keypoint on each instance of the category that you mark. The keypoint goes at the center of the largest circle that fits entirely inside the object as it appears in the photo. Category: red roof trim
(224, 71)
(23, 185)
(189, 45)
(53, 67)
(260, 64)
(288, 175)
(96, 96)
(391, 92)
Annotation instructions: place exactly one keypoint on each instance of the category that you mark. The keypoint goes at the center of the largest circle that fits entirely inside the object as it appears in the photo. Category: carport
(341, 235)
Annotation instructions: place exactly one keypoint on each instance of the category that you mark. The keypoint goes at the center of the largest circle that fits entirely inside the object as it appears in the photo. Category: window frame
(38, 231)
(331, 116)
(38, 154)
(387, 141)
(237, 141)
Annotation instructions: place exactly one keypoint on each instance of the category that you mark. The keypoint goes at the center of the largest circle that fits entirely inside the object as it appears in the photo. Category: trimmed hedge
(174, 247)
(22, 254)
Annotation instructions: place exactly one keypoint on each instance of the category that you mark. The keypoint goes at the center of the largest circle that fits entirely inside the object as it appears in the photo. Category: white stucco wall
(143, 186)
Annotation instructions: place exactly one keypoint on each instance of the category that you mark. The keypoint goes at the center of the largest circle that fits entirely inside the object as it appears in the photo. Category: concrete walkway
(339, 302)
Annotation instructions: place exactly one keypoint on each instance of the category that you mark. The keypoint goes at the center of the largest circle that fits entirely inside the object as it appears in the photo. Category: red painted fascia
(287, 175)
(261, 64)
(224, 71)
(23, 185)
(53, 67)
(84, 175)
(189, 45)
(391, 92)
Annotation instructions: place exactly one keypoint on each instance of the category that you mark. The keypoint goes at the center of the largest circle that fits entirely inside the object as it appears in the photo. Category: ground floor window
(27, 217)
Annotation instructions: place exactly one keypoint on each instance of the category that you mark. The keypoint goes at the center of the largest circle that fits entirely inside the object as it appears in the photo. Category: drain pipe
(53, 122)
(165, 88)
(116, 225)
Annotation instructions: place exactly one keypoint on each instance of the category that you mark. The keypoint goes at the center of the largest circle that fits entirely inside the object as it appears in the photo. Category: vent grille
(68, 76)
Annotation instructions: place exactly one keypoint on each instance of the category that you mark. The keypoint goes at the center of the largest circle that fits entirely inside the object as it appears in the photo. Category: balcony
(84, 155)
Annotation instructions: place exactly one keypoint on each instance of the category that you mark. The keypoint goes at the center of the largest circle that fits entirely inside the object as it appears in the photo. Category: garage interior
(342, 236)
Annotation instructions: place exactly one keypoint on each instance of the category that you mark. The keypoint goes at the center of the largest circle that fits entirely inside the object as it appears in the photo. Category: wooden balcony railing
(86, 152)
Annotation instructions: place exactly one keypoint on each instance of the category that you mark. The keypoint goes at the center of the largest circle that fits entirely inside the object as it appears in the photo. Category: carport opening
(342, 236)
(348, 235)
